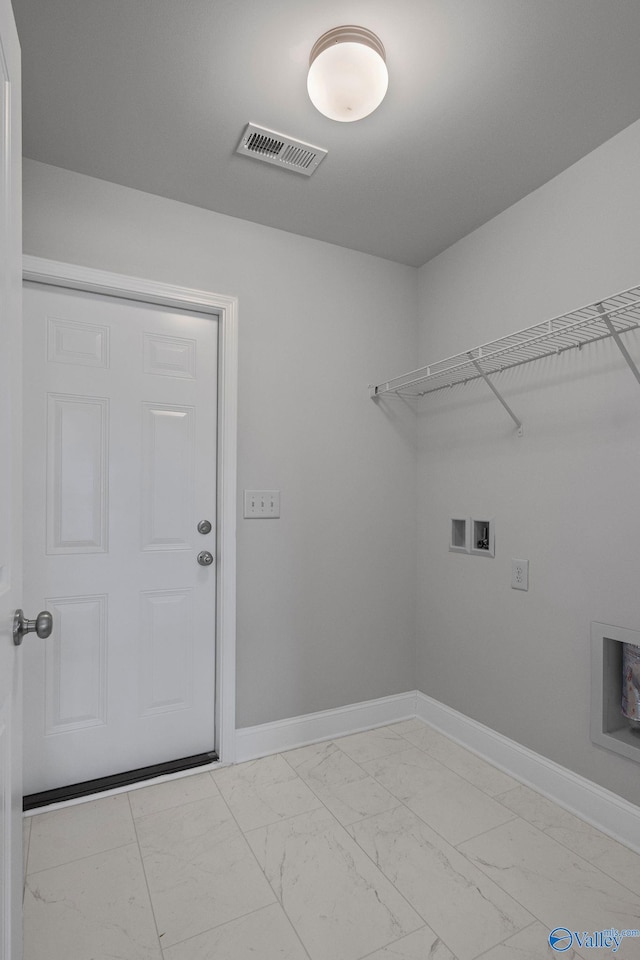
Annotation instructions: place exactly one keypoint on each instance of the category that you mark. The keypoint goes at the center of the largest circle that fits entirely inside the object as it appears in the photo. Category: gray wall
(326, 595)
(565, 495)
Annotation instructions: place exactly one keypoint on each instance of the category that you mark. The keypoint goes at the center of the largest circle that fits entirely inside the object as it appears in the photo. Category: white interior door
(10, 517)
(120, 468)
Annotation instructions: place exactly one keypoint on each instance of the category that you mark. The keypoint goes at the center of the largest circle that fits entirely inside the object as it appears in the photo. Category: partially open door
(10, 485)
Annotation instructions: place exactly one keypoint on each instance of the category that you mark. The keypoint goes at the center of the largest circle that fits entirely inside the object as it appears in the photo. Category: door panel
(121, 467)
(168, 476)
(75, 664)
(10, 505)
(77, 431)
(166, 668)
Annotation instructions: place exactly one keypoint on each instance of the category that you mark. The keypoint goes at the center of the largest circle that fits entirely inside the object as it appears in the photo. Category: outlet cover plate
(520, 574)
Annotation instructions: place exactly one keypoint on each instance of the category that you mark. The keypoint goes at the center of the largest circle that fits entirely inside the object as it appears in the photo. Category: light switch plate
(261, 504)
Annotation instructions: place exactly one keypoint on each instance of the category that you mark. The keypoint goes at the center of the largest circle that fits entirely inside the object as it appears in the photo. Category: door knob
(42, 625)
(205, 559)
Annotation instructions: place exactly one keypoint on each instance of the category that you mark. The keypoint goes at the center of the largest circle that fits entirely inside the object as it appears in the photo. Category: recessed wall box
(609, 727)
(459, 534)
(482, 538)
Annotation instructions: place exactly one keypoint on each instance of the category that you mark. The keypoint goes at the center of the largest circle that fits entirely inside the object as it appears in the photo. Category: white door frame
(38, 270)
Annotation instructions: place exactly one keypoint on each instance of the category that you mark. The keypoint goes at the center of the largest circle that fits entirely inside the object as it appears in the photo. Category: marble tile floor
(393, 844)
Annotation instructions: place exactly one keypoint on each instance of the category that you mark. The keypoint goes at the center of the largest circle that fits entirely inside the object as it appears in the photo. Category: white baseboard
(603, 809)
(267, 738)
(600, 807)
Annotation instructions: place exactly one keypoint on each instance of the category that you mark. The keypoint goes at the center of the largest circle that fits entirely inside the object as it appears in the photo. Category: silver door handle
(42, 626)
(205, 559)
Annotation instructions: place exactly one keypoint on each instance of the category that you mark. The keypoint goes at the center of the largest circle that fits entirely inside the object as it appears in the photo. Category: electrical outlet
(261, 504)
(520, 574)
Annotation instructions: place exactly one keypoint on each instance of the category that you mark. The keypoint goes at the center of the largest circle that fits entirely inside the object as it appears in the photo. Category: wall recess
(609, 727)
(459, 534)
(482, 535)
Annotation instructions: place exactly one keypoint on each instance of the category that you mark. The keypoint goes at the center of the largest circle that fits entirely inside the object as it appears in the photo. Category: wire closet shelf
(606, 318)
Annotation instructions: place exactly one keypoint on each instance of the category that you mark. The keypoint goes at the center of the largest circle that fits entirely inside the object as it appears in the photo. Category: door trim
(74, 277)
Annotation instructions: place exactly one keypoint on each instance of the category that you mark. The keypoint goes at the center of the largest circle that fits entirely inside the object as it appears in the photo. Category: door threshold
(116, 781)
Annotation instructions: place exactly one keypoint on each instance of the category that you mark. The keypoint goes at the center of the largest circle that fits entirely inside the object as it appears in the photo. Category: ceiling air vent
(272, 147)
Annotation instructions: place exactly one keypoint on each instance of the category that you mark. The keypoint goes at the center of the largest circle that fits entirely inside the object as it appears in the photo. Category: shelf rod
(499, 396)
(623, 350)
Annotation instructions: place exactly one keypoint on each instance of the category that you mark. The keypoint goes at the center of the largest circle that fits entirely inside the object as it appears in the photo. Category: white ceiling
(487, 100)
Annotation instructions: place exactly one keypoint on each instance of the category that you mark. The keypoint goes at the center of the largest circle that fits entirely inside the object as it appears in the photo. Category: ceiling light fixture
(348, 75)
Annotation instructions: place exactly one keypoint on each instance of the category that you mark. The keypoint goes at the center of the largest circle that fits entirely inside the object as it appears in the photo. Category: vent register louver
(272, 147)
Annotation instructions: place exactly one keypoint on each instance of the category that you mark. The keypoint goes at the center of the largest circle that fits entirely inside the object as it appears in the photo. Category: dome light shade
(348, 75)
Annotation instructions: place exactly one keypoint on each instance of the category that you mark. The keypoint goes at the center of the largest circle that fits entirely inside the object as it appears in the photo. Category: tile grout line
(278, 901)
(400, 801)
(323, 805)
(88, 856)
(528, 909)
(346, 783)
(144, 874)
(514, 816)
(342, 827)
(454, 847)
(591, 862)
(417, 746)
(25, 872)
(495, 882)
(216, 796)
(503, 942)
(426, 923)
(566, 845)
(202, 933)
(345, 829)
(281, 819)
(170, 806)
(187, 803)
(553, 840)
(519, 783)
(376, 865)
(425, 926)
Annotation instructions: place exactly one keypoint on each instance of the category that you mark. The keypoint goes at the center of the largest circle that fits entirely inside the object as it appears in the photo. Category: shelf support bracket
(623, 350)
(496, 393)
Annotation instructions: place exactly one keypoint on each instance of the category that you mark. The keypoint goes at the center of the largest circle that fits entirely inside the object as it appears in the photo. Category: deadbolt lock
(204, 526)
